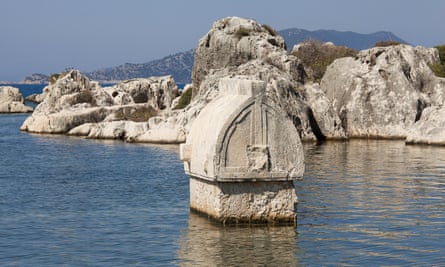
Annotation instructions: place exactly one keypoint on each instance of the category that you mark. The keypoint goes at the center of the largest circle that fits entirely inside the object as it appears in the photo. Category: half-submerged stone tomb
(242, 155)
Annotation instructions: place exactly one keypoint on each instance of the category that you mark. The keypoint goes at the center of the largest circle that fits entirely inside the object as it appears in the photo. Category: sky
(48, 36)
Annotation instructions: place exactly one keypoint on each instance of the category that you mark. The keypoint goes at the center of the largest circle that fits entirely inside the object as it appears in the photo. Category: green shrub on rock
(54, 77)
(386, 43)
(439, 67)
(185, 99)
(317, 56)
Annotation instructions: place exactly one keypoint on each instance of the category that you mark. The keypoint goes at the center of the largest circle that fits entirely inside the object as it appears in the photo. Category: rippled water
(372, 203)
(76, 202)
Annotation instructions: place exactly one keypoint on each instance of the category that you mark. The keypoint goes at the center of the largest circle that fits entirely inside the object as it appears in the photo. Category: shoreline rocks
(383, 92)
(77, 106)
(11, 101)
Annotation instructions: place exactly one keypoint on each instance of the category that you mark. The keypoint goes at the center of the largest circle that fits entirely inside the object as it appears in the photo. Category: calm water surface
(75, 202)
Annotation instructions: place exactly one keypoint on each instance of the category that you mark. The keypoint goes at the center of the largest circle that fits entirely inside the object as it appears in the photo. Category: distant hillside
(353, 40)
(36, 78)
(178, 65)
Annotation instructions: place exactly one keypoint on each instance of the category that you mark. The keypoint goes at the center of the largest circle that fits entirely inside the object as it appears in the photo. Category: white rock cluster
(11, 101)
(383, 92)
(75, 105)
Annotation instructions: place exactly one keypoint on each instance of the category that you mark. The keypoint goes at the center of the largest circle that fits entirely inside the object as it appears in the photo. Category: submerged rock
(11, 101)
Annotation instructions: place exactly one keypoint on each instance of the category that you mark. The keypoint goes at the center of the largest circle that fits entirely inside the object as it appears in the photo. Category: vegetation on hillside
(353, 40)
(386, 43)
(439, 67)
(317, 56)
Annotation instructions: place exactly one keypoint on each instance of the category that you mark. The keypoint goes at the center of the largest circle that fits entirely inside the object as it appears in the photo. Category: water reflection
(361, 203)
(205, 243)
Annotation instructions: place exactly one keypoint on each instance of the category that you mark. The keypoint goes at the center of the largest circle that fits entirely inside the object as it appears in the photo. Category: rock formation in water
(11, 101)
(75, 105)
(383, 92)
(37, 98)
(241, 47)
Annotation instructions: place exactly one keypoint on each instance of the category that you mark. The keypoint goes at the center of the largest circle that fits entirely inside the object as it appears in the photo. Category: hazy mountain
(36, 78)
(180, 65)
(353, 40)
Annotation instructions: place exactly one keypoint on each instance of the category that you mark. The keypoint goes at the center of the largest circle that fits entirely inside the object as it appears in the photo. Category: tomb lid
(243, 136)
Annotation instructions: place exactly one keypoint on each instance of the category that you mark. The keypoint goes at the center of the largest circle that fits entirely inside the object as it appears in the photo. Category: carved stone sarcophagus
(242, 154)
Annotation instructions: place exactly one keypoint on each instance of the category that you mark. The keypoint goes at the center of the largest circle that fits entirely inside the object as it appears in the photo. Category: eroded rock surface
(75, 105)
(234, 41)
(11, 101)
(382, 92)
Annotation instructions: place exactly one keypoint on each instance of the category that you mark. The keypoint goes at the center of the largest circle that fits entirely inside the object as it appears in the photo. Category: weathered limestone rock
(324, 120)
(38, 98)
(430, 128)
(167, 130)
(236, 47)
(123, 130)
(242, 154)
(234, 41)
(73, 100)
(11, 101)
(156, 91)
(382, 92)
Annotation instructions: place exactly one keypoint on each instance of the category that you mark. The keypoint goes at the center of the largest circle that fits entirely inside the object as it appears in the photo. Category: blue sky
(47, 36)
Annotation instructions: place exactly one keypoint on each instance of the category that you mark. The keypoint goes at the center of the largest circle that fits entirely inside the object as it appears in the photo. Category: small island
(12, 101)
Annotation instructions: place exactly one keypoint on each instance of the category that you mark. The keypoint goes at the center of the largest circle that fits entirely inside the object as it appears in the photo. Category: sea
(70, 201)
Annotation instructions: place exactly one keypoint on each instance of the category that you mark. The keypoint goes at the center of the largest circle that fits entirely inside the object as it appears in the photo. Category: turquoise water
(75, 202)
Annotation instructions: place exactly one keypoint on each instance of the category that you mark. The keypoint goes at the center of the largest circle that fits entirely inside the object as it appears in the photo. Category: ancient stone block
(242, 155)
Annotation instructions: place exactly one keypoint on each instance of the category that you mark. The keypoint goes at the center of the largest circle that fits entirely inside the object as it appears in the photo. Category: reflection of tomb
(205, 243)
(242, 155)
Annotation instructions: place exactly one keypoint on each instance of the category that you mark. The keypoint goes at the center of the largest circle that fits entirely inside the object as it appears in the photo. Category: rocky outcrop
(11, 101)
(36, 98)
(429, 129)
(381, 93)
(242, 48)
(234, 41)
(73, 104)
